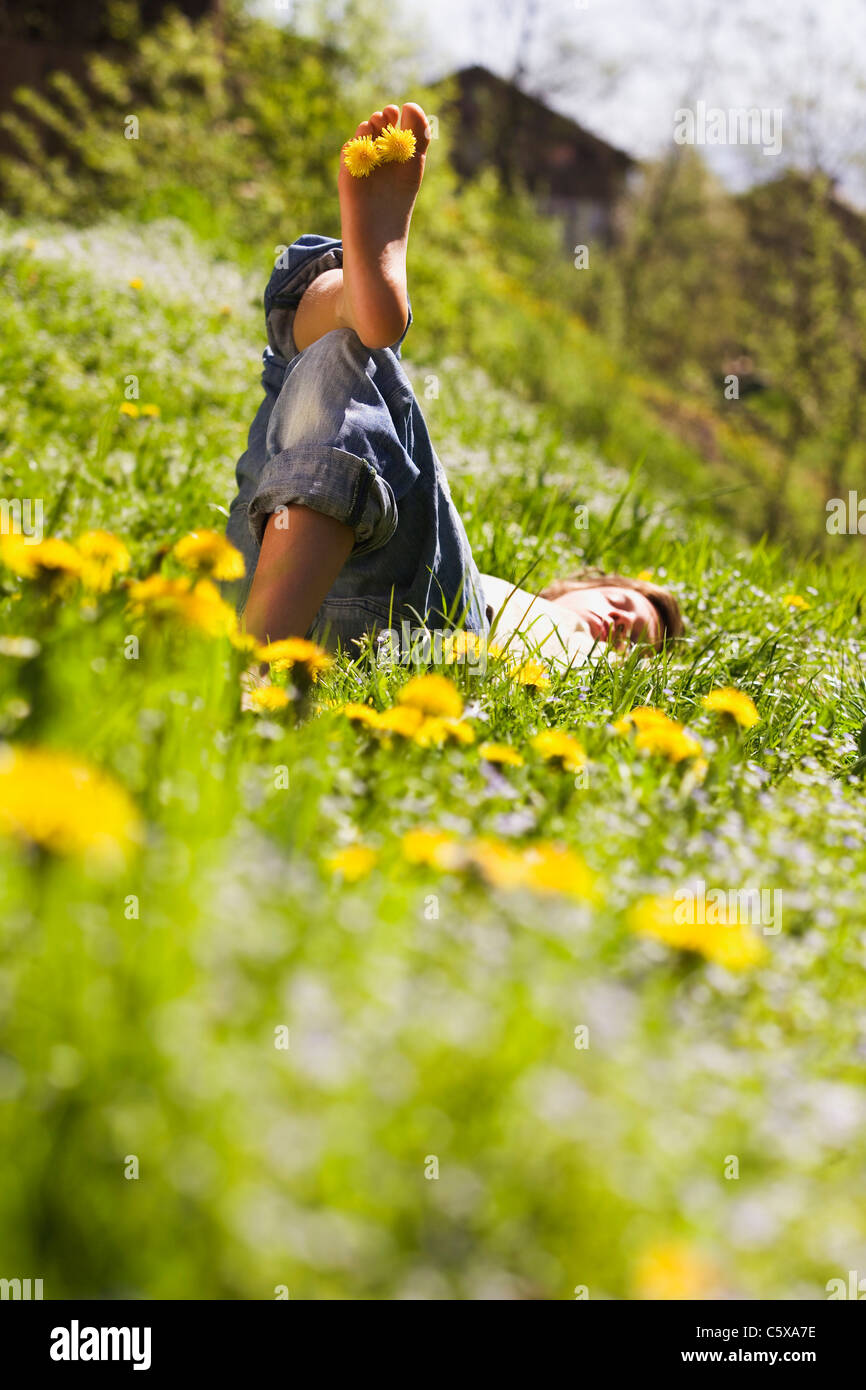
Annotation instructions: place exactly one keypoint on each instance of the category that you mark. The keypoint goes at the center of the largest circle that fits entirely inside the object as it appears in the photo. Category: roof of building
(547, 146)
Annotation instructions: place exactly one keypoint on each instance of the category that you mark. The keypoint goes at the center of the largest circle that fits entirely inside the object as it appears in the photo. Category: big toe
(413, 118)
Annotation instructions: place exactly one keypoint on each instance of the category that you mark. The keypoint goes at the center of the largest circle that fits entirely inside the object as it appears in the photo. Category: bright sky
(776, 54)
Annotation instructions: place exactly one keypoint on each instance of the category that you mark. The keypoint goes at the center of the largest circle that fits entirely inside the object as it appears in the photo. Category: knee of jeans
(317, 389)
(339, 349)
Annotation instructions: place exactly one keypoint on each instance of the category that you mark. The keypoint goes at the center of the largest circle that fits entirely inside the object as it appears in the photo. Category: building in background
(574, 175)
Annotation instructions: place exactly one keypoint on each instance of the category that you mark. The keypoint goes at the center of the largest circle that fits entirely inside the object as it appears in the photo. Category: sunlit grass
(433, 919)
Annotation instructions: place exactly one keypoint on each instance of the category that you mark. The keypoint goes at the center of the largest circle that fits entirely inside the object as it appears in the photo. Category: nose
(621, 622)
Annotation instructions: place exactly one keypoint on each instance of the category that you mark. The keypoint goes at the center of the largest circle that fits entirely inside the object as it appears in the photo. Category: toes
(413, 118)
(410, 118)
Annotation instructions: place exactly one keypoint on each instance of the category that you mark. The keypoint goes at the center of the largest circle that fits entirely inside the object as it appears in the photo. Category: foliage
(768, 286)
(239, 124)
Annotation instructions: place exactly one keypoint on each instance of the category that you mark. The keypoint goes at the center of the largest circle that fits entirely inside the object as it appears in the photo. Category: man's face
(615, 615)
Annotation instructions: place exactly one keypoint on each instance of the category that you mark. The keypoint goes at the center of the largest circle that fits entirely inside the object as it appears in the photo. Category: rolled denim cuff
(286, 290)
(330, 481)
(298, 266)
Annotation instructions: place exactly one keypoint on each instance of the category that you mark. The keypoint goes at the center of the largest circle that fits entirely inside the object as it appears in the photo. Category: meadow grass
(285, 1041)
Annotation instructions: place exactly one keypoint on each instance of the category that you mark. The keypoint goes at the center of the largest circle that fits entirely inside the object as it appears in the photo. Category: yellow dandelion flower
(460, 732)
(796, 601)
(501, 753)
(361, 156)
(644, 717)
(434, 848)
(531, 673)
(209, 553)
(16, 555)
(395, 146)
(52, 558)
(360, 714)
(31, 243)
(353, 863)
(102, 557)
(58, 555)
(439, 730)
(151, 410)
(131, 409)
(288, 650)
(663, 918)
(658, 733)
(267, 699)
(733, 945)
(670, 742)
(740, 707)
(495, 652)
(558, 746)
(63, 804)
(646, 575)
(226, 311)
(434, 695)
(500, 864)
(248, 644)
(197, 606)
(136, 283)
(402, 720)
(399, 720)
(556, 869)
(206, 609)
(674, 1270)
(294, 652)
(462, 644)
(736, 947)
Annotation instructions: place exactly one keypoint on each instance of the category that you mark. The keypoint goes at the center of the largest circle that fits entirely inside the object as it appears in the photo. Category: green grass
(429, 1014)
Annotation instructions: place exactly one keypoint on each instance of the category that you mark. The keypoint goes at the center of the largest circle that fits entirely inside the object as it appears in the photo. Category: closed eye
(622, 599)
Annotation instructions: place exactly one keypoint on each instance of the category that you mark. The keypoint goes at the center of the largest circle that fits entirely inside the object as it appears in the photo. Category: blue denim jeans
(340, 431)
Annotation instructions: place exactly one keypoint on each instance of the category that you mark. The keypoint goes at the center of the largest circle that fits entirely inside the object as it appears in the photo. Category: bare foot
(375, 213)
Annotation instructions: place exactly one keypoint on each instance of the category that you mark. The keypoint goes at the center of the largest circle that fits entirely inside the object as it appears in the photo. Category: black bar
(281, 1337)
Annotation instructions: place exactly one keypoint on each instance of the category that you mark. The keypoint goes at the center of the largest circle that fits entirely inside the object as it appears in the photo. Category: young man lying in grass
(343, 511)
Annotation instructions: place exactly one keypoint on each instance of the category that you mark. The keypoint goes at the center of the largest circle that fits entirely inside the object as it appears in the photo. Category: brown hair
(670, 617)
